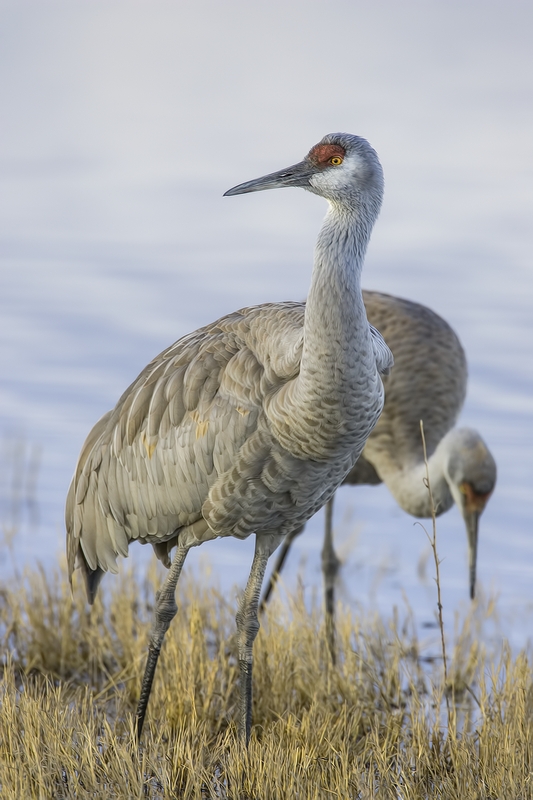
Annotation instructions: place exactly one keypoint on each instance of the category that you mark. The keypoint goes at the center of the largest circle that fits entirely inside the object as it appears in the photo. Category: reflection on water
(115, 241)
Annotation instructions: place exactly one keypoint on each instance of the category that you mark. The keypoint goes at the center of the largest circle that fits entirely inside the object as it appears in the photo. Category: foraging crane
(428, 383)
(247, 425)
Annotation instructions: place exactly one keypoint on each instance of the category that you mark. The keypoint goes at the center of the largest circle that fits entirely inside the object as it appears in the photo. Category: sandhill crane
(247, 425)
(428, 383)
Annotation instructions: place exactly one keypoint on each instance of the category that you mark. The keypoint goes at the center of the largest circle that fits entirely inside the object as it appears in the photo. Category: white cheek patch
(352, 170)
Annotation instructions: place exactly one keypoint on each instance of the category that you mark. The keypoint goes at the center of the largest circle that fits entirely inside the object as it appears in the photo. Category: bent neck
(409, 485)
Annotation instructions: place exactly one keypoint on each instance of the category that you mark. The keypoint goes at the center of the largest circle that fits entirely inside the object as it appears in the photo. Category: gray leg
(165, 611)
(330, 568)
(247, 627)
(278, 566)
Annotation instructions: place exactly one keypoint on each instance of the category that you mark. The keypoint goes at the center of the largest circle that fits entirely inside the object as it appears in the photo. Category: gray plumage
(194, 439)
(428, 383)
(248, 424)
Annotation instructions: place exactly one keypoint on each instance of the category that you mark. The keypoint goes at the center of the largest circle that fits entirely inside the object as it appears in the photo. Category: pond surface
(124, 125)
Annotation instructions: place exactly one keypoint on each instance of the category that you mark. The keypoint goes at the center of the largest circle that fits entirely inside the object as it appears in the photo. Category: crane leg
(165, 611)
(248, 626)
(278, 566)
(330, 569)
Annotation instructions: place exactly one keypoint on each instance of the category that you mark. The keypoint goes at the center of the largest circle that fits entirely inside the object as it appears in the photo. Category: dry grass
(373, 726)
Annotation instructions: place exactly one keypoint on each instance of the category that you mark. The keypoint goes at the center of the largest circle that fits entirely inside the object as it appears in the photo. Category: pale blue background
(122, 124)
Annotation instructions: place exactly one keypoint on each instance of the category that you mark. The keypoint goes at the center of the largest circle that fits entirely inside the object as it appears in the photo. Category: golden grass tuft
(372, 726)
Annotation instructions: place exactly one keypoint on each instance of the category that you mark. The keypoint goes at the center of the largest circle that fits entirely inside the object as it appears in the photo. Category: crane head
(342, 167)
(471, 475)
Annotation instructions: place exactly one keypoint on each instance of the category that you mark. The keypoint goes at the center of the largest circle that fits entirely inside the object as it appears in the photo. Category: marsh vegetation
(381, 723)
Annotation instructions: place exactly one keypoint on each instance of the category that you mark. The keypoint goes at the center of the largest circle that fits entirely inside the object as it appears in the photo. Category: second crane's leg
(278, 566)
(165, 611)
(330, 568)
(248, 626)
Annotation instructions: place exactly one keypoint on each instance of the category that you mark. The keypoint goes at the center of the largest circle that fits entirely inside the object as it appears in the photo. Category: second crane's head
(342, 167)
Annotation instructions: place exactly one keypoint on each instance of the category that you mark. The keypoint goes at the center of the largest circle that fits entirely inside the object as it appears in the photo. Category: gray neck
(336, 333)
(338, 395)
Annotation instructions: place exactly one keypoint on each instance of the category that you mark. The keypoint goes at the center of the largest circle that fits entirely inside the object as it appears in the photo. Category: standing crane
(247, 425)
(428, 383)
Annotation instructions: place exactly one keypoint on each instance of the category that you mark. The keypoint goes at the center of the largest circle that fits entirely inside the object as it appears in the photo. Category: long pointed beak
(297, 175)
(471, 519)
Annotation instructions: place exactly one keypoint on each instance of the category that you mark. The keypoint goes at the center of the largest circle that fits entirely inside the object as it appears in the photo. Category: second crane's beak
(472, 505)
(471, 519)
(297, 175)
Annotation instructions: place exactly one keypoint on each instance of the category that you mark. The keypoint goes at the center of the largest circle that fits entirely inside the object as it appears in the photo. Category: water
(124, 123)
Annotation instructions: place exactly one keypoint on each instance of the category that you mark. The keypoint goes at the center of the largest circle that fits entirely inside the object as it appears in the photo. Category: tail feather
(91, 578)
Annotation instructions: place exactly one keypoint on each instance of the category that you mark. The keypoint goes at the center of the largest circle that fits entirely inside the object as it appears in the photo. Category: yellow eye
(335, 160)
